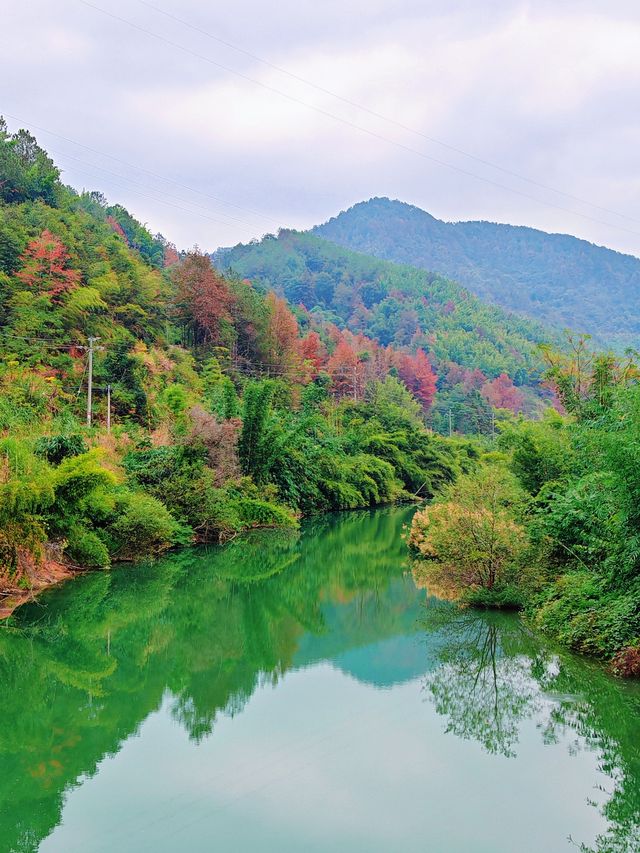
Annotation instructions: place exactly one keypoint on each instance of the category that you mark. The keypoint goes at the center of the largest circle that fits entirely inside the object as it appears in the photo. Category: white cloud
(546, 90)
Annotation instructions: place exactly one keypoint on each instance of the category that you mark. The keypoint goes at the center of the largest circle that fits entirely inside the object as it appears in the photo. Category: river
(294, 691)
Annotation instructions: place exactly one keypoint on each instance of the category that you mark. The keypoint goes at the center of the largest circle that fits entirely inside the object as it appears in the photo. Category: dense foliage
(471, 538)
(554, 278)
(577, 516)
(482, 356)
(228, 410)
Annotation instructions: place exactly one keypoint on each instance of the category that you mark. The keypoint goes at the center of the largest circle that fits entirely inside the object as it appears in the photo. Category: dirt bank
(29, 578)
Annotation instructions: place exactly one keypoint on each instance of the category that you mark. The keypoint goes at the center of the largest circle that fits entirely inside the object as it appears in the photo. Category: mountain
(468, 342)
(555, 278)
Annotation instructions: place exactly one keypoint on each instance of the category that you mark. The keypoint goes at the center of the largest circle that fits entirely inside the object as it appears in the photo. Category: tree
(418, 375)
(501, 393)
(119, 230)
(255, 413)
(221, 441)
(342, 367)
(392, 395)
(44, 267)
(312, 352)
(282, 335)
(583, 380)
(26, 172)
(203, 299)
(470, 535)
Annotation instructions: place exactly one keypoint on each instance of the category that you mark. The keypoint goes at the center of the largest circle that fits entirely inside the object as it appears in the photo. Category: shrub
(259, 513)
(142, 526)
(85, 548)
(472, 540)
(579, 611)
(55, 448)
(627, 662)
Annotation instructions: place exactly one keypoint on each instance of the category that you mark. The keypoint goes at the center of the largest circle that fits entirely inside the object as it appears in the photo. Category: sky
(215, 123)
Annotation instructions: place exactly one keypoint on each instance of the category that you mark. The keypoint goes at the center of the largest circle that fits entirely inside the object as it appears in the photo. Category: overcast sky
(549, 91)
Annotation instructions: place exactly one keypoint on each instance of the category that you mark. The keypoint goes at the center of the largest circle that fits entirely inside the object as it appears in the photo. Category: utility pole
(92, 340)
(450, 424)
(108, 408)
(493, 424)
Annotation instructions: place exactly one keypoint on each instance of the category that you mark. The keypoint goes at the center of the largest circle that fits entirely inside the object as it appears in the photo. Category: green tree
(252, 448)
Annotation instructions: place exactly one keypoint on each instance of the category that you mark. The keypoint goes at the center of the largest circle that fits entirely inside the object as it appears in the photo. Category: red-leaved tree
(113, 222)
(342, 367)
(171, 256)
(203, 298)
(501, 393)
(417, 374)
(312, 352)
(282, 335)
(44, 267)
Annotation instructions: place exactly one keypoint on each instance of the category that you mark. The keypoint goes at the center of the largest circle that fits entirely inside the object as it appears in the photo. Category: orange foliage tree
(282, 336)
(203, 298)
(312, 353)
(501, 393)
(417, 374)
(342, 367)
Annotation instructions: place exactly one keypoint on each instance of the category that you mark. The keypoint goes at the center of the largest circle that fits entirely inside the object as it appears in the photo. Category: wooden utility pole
(108, 408)
(450, 424)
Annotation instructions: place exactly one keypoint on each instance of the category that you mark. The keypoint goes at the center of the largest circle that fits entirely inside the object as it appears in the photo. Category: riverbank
(34, 579)
(488, 542)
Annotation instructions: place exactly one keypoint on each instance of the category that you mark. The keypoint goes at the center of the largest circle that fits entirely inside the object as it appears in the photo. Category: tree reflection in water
(493, 673)
(84, 667)
(486, 681)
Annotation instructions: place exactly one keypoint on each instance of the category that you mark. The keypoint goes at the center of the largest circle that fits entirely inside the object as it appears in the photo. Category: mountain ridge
(554, 278)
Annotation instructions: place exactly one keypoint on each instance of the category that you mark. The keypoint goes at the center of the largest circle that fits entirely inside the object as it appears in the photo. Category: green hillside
(468, 342)
(555, 278)
(215, 408)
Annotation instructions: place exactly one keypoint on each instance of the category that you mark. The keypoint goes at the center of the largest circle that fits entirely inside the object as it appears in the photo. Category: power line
(229, 219)
(378, 115)
(353, 125)
(155, 199)
(44, 342)
(159, 200)
(140, 168)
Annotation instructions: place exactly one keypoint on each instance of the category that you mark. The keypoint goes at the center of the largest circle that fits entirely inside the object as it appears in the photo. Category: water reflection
(493, 673)
(489, 676)
(81, 670)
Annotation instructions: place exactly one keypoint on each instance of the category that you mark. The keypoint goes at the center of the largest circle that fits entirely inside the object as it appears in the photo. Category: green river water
(296, 692)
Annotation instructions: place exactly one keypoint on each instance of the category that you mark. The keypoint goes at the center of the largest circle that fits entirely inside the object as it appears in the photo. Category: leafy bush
(141, 526)
(55, 448)
(582, 613)
(260, 513)
(85, 548)
(470, 538)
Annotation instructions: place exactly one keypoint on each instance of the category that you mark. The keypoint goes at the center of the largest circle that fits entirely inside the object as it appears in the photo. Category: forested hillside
(482, 356)
(214, 407)
(554, 278)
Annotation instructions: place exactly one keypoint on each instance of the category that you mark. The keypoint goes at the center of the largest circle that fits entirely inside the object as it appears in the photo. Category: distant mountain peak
(555, 278)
